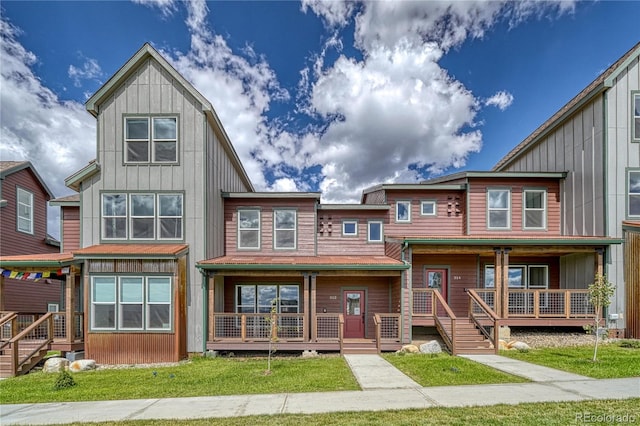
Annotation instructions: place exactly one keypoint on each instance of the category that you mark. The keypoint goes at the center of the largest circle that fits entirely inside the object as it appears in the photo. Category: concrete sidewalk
(391, 390)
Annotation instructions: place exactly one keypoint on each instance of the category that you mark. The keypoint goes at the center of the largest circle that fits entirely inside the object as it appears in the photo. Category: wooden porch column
(305, 308)
(70, 304)
(505, 282)
(497, 281)
(599, 261)
(211, 284)
(312, 308)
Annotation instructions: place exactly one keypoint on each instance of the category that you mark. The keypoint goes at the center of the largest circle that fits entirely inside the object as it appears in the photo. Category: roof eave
(514, 241)
(300, 267)
(78, 177)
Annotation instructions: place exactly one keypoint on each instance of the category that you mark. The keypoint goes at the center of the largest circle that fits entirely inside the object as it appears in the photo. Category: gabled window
(634, 193)
(535, 209)
(403, 211)
(24, 211)
(374, 231)
(635, 119)
(498, 209)
(151, 140)
(349, 228)
(249, 229)
(284, 228)
(428, 208)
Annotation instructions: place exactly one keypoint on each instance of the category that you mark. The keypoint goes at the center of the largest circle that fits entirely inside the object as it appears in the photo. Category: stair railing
(377, 321)
(483, 316)
(40, 331)
(440, 306)
(8, 327)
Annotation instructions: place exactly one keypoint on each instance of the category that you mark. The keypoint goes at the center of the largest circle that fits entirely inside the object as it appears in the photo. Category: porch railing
(258, 327)
(328, 327)
(387, 329)
(485, 319)
(541, 303)
(445, 321)
(12, 323)
(30, 342)
(422, 305)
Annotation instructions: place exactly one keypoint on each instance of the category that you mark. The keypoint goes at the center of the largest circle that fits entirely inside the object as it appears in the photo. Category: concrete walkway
(533, 372)
(391, 390)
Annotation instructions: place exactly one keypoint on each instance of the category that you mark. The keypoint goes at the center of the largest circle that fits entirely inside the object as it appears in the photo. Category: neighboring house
(23, 230)
(595, 139)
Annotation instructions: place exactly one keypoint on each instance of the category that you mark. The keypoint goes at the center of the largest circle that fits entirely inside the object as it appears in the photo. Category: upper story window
(249, 229)
(349, 228)
(428, 208)
(24, 211)
(151, 140)
(634, 193)
(635, 136)
(284, 228)
(374, 231)
(142, 216)
(403, 211)
(535, 209)
(498, 209)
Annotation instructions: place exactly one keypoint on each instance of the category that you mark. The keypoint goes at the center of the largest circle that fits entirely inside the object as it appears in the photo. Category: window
(142, 216)
(249, 229)
(130, 303)
(635, 136)
(428, 208)
(152, 139)
(284, 225)
(349, 228)
(634, 193)
(25, 211)
(260, 299)
(535, 209)
(520, 276)
(499, 208)
(374, 233)
(403, 211)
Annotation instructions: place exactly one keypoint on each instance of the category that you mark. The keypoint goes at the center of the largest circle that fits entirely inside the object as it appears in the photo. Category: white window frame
(151, 139)
(499, 209)
(257, 307)
(542, 210)
(635, 116)
(355, 228)
(277, 229)
(375, 222)
(105, 217)
(407, 205)
(27, 205)
(149, 303)
(156, 140)
(151, 217)
(526, 278)
(242, 229)
(121, 303)
(632, 193)
(433, 203)
(159, 217)
(95, 303)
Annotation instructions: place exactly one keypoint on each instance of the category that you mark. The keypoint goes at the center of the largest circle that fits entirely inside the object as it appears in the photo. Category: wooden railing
(445, 321)
(258, 327)
(542, 303)
(12, 323)
(422, 302)
(40, 333)
(484, 317)
(387, 328)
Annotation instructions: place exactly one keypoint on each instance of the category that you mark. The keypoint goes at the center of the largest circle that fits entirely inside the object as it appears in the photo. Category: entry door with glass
(353, 302)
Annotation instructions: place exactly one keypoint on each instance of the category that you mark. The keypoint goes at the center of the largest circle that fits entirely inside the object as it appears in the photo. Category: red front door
(353, 302)
(437, 279)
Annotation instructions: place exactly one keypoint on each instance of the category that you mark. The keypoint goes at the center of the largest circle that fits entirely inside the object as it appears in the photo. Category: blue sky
(316, 96)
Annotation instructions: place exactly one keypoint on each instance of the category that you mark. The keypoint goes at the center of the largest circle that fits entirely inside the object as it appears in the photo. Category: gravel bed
(540, 338)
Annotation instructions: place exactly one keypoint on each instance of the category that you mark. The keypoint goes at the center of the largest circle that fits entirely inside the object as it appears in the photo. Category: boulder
(310, 354)
(520, 346)
(504, 333)
(82, 365)
(431, 347)
(410, 349)
(55, 365)
(503, 345)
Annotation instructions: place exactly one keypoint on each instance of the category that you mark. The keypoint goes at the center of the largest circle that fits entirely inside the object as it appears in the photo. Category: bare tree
(600, 292)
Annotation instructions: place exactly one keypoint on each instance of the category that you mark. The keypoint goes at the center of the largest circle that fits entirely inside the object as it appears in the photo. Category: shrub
(64, 381)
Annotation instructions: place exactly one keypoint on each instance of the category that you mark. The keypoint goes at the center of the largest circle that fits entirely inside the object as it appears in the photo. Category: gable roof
(145, 52)
(10, 167)
(603, 82)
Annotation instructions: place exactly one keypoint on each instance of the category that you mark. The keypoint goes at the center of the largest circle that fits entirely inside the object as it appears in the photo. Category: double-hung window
(249, 228)
(374, 231)
(114, 216)
(169, 216)
(151, 140)
(143, 215)
(25, 211)
(634, 193)
(403, 211)
(126, 303)
(284, 228)
(635, 130)
(349, 228)
(498, 209)
(428, 208)
(535, 209)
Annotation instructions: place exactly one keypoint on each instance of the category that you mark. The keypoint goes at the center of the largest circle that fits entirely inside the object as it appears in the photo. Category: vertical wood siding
(130, 348)
(632, 291)
(332, 242)
(70, 238)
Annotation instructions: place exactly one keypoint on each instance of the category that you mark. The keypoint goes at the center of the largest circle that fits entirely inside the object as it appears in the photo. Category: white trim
(29, 207)
(355, 227)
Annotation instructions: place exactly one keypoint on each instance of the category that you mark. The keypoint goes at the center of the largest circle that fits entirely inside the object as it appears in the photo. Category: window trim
(526, 268)
(408, 219)
(635, 138)
(508, 209)
(151, 139)
(256, 303)
(30, 208)
(276, 229)
(628, 192)
(159, 217)
(352, 222)
(435, 207)
(131, 217)
(371, 222)
(239, 229)
(544, 208)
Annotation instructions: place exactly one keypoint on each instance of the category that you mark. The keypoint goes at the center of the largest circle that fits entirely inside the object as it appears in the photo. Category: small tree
(600, 292)
(272, 321)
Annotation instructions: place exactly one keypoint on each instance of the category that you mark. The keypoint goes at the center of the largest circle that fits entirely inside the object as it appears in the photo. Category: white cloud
(501, 100)
(58, 137)
(166, 7)
(90, 70)
(335, 13)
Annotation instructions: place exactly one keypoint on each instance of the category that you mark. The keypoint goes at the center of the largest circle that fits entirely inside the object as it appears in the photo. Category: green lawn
(446, 370)
(562, 413)
(614, 359)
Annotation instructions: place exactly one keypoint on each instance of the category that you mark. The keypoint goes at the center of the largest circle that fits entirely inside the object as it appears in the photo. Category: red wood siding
(306, 226)
(32, 297)
(13, 241)
(332, 242)
(478, 205)
(393, 250)
(70, 228)
(449, 220)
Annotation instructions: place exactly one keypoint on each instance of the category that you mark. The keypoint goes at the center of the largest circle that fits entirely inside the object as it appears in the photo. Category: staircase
(32, 352)
(359, 346)
(469, 340)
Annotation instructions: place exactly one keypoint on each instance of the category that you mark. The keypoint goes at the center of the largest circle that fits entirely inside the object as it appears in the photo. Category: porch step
(469, 340)
(359, 347)
(28, 351)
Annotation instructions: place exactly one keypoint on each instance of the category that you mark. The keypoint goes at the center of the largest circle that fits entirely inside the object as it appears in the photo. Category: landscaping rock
(431, 347)
(520, 346)
(310, 354)
(503, 345)
(410, 349)
(55, 365)
(82, 365)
